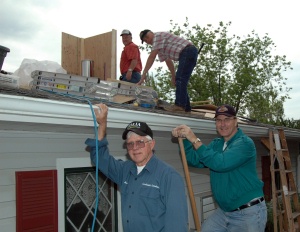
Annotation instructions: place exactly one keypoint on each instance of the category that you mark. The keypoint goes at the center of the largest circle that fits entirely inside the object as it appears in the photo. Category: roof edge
(37, 110)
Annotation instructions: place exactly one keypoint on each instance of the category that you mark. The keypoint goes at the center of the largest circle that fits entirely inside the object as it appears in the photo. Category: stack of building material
(62, 83)
(92, 87)
(8, 80)
(109, 90)
(146, 97)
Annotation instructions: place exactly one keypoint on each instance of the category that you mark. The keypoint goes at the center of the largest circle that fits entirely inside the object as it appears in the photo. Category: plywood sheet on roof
(101, 49)
(71, 53)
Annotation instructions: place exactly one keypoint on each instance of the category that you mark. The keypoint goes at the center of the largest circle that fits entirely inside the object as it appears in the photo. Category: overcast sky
(32, 28)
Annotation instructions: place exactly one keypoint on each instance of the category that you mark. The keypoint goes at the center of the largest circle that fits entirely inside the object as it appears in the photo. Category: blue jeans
(187, 62)
(251, 219)
(135, 77)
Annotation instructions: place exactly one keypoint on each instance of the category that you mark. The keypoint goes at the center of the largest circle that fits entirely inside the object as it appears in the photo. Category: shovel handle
(189, 185)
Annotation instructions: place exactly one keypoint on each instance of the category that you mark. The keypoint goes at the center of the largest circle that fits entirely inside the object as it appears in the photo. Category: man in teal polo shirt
(236, 187)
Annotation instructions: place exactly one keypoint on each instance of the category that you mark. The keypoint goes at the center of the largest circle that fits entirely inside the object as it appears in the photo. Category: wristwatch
(129, 70)
(196, 141)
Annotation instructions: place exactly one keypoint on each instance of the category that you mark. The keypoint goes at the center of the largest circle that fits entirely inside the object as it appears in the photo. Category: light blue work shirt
(153, 200)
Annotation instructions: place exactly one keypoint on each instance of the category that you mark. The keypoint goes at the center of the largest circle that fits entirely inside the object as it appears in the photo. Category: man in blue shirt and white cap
(152, 192)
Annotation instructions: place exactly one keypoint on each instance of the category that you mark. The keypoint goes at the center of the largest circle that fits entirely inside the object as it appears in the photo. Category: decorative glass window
(80, 199)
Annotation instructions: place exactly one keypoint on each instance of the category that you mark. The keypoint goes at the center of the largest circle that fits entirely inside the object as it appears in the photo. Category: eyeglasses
(225, 120)
(138, 144)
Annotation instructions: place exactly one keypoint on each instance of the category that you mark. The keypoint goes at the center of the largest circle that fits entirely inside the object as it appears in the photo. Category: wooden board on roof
(129, 83)
(204, 112)
(123, 99)
(201, 102)
(205, 106)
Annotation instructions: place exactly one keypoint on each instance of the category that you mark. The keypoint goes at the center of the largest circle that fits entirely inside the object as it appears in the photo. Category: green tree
(242, 71)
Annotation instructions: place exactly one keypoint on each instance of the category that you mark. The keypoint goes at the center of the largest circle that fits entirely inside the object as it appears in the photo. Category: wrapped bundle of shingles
(8, 80)
(92, 87)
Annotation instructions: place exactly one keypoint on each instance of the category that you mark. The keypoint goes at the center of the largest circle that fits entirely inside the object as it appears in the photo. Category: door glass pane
(80, 199)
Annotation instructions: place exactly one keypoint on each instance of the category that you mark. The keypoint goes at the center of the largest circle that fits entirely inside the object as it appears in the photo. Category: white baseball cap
(125, 32)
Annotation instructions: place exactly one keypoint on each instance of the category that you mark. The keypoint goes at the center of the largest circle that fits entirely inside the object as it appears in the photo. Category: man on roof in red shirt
(130, 64)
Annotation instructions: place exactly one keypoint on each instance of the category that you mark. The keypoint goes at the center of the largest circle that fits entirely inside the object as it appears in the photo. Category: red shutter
(36, 201)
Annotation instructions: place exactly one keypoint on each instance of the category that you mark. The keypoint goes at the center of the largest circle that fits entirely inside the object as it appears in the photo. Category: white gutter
(15, 108)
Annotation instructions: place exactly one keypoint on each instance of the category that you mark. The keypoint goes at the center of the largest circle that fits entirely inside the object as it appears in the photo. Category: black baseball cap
(143, 33)
(225, 109)
(140, 128)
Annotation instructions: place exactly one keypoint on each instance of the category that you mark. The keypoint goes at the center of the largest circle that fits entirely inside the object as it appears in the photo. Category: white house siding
(261, 151)
(24, 151)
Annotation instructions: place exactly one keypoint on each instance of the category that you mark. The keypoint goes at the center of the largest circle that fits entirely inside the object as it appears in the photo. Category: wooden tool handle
(189, 185)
